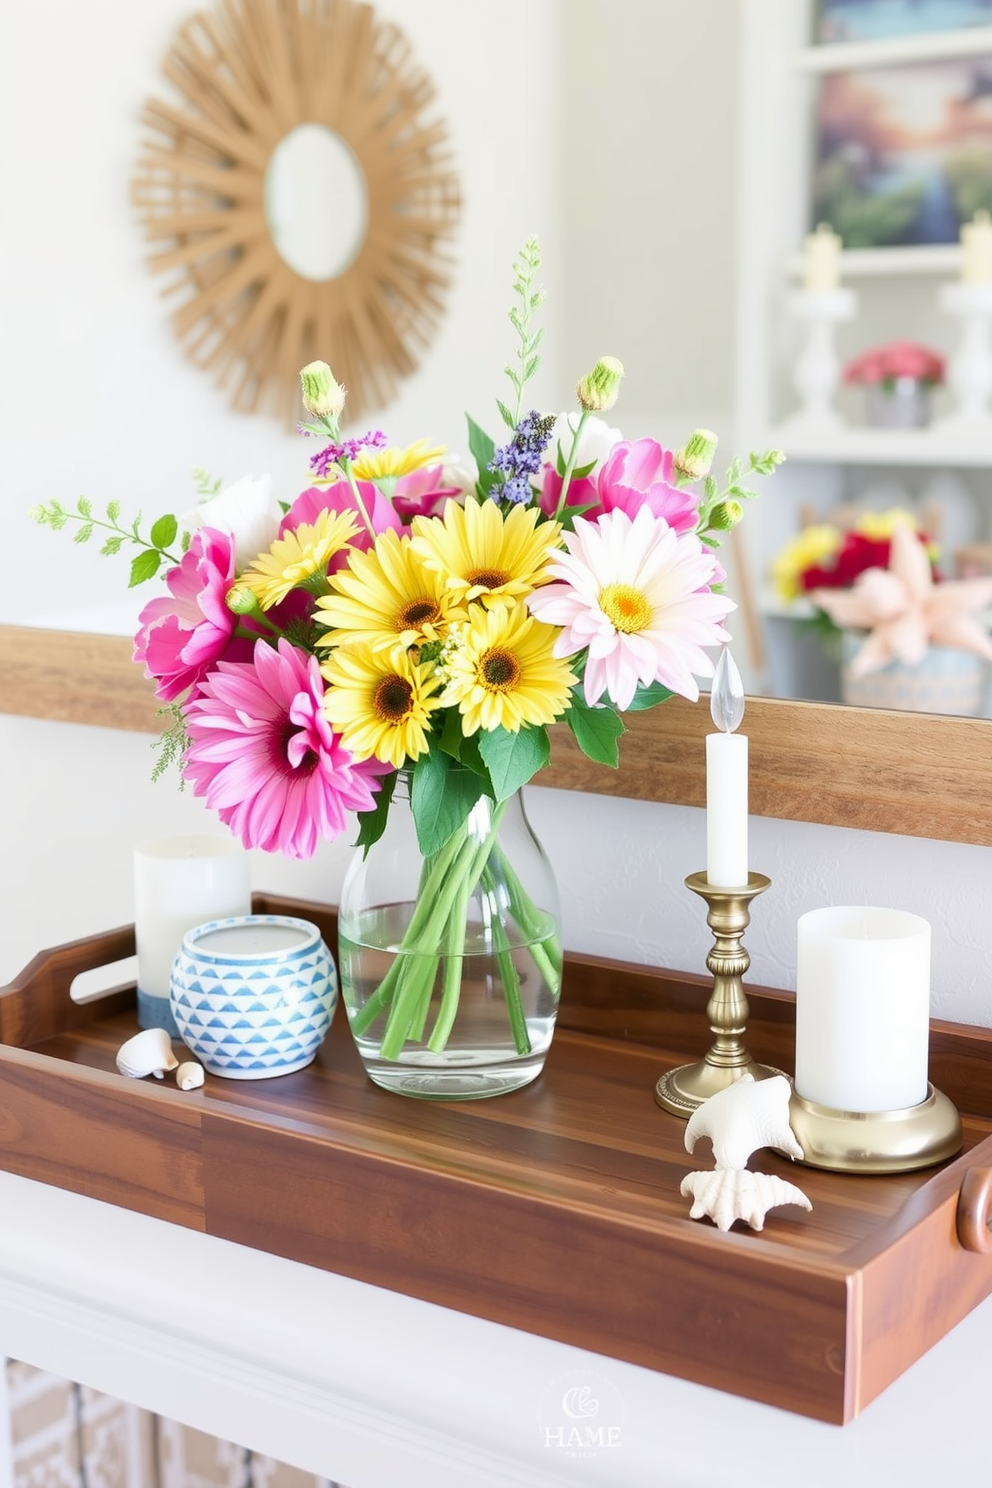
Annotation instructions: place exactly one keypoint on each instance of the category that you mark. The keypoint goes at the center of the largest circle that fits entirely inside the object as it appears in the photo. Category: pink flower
(422, 493)
(636, 596)
(338, 498)
(897, 359)
(265, 757)
(905, 612)
(181, 638)
(640, 474)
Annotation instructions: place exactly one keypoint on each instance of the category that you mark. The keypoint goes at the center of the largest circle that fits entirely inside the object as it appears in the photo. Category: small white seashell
(147, 1053)
(726, 1194)
(747, 1115)
(189, 1075)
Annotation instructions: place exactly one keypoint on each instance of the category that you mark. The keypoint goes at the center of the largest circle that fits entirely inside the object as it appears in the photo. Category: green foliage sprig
(722, 507)
(525, 266)
(156, 547)
(172, 743)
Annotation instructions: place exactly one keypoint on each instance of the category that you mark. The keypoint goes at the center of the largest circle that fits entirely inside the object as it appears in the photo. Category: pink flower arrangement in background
(897, 359)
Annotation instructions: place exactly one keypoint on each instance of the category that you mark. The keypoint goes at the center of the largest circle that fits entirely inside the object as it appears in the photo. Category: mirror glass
(316, 202)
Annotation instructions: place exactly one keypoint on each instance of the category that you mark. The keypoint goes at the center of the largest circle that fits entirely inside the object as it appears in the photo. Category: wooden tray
(555, 1210)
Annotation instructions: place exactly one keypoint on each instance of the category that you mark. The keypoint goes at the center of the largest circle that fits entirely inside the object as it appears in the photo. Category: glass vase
(450, 964)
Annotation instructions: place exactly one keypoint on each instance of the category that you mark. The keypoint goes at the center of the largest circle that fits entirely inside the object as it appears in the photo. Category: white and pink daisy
(265, 757)
(638, 597)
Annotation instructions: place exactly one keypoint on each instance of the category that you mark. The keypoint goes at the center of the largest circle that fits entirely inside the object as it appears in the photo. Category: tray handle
(974, 1219)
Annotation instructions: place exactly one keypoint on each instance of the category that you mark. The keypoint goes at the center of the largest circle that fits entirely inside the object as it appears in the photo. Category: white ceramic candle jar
(253, 995)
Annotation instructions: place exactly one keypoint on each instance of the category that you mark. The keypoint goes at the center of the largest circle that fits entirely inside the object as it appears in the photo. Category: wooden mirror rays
(243, 77)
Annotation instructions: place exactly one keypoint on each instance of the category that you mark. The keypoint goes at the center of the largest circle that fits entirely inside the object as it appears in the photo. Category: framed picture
(903, 154)
(871, 20)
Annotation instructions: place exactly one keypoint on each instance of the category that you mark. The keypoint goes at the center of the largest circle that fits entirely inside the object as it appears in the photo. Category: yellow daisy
(379, 702)
(381, 464)
(387, 596)
(485, 555)
(808, 549)
(502, 671)
(298, 556)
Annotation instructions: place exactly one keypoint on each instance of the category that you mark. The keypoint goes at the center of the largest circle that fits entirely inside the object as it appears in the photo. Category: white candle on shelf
(180, 882)
(821, 260)
(726, 781)
(976, 250)
(862, 1008)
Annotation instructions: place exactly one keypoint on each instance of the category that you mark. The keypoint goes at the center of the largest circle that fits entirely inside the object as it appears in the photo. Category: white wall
(96, 397)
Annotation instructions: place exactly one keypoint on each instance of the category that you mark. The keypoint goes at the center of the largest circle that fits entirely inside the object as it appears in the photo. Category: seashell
(747, 1115)
(726, 1194)
(147, 1053)
(189, 1076)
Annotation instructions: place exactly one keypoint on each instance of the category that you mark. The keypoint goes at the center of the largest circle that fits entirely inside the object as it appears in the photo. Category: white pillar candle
(821, 260)
(976, 250)
(726, 781)
(180, 882)
(862, 1008)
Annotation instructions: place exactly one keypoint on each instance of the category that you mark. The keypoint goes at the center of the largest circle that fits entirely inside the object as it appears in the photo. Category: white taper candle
(726, 781)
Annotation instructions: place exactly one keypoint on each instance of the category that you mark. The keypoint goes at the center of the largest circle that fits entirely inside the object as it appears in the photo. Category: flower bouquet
(395, 643)
(898, 379)
(878, 595)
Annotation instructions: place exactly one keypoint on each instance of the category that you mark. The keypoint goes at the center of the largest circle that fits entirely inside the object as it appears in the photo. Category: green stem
(566, 479)
(510, 977)
(349, 473)
(546, 951)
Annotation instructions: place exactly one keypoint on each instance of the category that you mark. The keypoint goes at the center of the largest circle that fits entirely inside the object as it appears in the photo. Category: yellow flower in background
(808, 549)
(385, 596)
(502, 672)
(880, 525)
(486, 555)
(298, 556)
(380, 702)
(383, 464)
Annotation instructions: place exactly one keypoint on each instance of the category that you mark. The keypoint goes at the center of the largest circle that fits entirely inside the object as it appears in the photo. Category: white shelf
(929, 46)
(858, 263)
(854, 446)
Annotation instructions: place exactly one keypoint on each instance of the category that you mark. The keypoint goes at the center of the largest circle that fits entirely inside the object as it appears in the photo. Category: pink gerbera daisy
(265, 757)
(639, 596)
(182, 637)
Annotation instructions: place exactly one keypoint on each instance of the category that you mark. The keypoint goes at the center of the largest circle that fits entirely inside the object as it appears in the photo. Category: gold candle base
(876, 1141)
(682, 1090)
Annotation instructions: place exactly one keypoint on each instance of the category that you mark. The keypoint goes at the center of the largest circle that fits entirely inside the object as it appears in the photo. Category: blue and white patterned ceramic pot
(253, 995)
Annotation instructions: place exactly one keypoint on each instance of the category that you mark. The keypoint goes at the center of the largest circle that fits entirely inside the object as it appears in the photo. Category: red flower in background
(896, 359)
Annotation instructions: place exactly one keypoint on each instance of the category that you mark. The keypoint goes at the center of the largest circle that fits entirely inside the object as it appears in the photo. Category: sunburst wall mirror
(301, 198)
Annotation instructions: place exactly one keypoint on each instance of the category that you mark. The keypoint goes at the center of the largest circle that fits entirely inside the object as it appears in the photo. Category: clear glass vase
(450, 965)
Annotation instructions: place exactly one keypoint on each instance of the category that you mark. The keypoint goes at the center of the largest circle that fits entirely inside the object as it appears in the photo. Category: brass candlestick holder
(876, 1141)
(682, 1090)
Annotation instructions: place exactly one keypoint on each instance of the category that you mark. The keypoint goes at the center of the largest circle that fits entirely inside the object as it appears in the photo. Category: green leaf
(112, 546)
(710, 488)
(597, 730)
(441, 799)
(84, 506)
(372, 823)
(113, 510)
(480, 445)
(569, 514)
(144, 567)
(505, 414)
(164, 531)
(649, 697)
(581, 471)
(84, 534)
(513, 758)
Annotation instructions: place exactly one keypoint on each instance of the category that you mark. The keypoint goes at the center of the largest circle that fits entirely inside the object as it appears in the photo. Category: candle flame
(727, 696)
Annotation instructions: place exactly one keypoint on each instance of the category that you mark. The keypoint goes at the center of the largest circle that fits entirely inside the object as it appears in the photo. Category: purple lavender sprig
(520, 458)
(345, 450)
